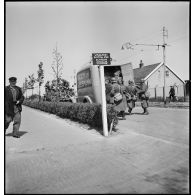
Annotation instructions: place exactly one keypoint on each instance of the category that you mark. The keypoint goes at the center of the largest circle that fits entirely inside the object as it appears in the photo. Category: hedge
(82, 112)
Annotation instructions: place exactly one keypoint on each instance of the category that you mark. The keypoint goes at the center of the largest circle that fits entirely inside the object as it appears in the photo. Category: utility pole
(75, 90)
(165, 34)
(128, 45)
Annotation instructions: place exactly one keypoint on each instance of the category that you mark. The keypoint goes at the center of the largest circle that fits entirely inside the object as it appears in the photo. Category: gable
(141, 73)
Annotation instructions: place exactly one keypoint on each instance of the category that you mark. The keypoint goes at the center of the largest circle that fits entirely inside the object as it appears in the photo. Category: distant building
(153, 76)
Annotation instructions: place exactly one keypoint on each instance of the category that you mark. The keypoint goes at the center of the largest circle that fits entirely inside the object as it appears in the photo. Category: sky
(33, 29)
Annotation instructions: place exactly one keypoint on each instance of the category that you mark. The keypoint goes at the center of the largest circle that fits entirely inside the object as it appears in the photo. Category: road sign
(101, 58)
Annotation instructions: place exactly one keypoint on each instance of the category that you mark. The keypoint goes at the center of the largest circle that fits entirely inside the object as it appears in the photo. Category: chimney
(141, 64)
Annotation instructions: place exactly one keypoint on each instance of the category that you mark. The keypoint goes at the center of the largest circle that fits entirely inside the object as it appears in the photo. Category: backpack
(147, 94)
(118, 96)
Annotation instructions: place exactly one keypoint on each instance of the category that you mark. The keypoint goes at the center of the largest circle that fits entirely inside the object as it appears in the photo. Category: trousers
(17, 121)
(131, 104)
(144, 103)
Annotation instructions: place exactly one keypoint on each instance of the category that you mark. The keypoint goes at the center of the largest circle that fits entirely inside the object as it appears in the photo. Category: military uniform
(131, 91)
(120, 106)
(143, 97)
(109, 99)
(123, 91)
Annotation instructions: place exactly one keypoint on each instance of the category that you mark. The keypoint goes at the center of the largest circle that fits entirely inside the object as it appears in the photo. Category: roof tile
(140, 73)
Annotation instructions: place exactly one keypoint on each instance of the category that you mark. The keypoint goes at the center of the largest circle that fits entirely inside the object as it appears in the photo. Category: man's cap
(12, 79)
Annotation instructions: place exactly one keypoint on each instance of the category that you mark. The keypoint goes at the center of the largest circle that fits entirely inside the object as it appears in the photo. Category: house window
(167, 73)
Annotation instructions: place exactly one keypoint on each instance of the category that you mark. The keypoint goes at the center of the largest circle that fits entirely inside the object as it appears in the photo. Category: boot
(130, 110)
(146, 111)
(123, 116)
(16, 135)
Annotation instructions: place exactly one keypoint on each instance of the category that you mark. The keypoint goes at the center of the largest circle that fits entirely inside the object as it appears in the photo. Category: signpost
(102, 59)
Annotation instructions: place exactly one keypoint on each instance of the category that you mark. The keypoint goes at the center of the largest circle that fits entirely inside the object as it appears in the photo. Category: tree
(40, 73)
(57, 66)
(25, 86)
(31, 82)
(47, 87)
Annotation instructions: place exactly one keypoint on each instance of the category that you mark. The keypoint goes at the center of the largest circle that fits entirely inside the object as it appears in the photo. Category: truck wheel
(85, 101)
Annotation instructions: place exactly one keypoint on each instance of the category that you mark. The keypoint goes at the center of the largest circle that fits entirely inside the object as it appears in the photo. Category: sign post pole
(102, 59)
(104, 113)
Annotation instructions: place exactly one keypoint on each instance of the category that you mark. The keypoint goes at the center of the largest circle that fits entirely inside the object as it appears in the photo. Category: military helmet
(113, 80)
(130, 82)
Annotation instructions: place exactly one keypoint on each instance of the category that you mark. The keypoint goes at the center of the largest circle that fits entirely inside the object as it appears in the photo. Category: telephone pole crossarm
(149, 44)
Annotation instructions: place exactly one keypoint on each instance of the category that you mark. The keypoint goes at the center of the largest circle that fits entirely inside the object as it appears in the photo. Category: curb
(161, 105)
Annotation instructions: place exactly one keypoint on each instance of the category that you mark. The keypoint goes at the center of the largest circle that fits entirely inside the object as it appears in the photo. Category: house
(153, 75)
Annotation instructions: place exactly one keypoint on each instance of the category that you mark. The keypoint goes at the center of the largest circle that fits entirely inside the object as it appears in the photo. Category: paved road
(148, 154)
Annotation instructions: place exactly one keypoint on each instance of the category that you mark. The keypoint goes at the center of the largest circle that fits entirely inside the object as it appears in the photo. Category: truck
(88, 80)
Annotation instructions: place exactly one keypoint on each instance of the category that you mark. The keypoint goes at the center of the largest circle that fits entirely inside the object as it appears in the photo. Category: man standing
(131, 91)
(13, 105)
(143, 96)
(123, 91)
(172, 94)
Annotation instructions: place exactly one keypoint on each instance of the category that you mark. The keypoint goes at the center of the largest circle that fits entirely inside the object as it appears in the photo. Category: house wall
(156, 80)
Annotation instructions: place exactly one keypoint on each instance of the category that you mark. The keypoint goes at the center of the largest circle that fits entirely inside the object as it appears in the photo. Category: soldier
(172, 94)
(108, 86)
(123, 91)
(118, 98)
(131, 91)
(117, 75)
(143, 96)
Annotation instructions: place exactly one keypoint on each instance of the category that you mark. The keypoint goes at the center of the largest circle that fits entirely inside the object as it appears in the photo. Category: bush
(34, 97)
(81, 112)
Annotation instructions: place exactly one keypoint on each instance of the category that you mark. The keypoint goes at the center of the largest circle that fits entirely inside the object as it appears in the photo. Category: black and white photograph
(97, 97)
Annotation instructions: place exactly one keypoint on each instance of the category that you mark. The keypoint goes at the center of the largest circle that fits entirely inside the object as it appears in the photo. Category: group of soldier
(123, 97)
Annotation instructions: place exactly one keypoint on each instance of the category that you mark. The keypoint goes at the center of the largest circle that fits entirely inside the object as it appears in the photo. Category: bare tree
(25, 86)
(57, 66)
(40, 73)
(31, 82)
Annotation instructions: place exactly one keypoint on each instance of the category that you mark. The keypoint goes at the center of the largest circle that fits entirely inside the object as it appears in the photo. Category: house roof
(141, 73)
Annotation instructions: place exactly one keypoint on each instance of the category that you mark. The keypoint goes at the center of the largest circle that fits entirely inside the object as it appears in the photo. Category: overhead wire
(145, 37)
(178, 39)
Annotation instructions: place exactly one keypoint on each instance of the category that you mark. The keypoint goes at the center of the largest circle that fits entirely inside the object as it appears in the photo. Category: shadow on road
(138, 113)
(100, 131)
(20, 133)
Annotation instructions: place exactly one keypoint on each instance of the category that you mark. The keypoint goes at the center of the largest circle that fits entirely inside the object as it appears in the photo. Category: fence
(157, 94)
